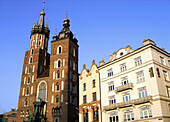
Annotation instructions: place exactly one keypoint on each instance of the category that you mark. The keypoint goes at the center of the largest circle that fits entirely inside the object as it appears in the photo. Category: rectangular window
(84, 99)
(84, 87)
(123, 67)
(94, 96)
(94, 83)
(138, 61)
(142, 92)
(165, 75)
(114, 119)
(126, 96)
(112, 100)
(140, 76)
(109, 72)
(111, 86)
(125, 80)
(162, 60)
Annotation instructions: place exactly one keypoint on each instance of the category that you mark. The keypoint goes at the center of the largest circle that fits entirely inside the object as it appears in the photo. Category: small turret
(65, 32)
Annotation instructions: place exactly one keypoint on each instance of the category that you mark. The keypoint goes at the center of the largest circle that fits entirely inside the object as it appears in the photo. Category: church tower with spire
(50, 79)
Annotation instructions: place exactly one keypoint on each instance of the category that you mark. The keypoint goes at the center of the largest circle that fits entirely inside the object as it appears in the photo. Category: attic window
(121, 53)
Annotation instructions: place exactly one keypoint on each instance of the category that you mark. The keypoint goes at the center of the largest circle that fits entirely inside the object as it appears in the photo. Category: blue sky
(101, 26)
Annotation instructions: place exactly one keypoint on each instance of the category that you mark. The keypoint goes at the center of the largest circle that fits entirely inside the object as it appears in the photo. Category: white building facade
(89, 95)
(135, 85)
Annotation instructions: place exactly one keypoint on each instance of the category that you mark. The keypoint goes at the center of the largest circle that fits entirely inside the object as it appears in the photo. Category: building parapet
(128, 103)
(124, 87)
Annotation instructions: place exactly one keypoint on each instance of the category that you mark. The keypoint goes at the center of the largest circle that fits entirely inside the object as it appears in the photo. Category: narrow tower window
(30, 61)
(73, 52)
(32, 51)
(59, 50)
(59, 63)
(58, 74)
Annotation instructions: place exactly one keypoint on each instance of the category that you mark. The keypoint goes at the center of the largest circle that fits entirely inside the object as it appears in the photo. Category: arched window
(26, 102)
(29, 70)
(57, 87)
(30, 61)
(59, 63)
(59, 50)
(57, 99)
(58, 74)
(27, 91)
(42, 91)
(28, 80)
(145, 112)
(32, 51)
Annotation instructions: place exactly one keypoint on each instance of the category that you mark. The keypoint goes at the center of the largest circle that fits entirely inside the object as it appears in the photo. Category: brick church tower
(53, 78)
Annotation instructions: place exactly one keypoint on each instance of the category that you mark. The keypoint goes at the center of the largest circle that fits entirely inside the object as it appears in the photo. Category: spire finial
(66, 14)
(56, 31)
(43, 6)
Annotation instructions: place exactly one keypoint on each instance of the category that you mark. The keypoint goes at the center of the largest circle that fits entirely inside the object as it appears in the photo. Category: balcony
(124, 87)
(128, 103)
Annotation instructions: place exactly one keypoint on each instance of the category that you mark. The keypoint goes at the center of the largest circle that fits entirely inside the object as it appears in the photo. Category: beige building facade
(135, 85)
(89, 95)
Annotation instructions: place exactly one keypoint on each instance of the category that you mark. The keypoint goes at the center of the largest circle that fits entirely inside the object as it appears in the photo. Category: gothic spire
(42, 14)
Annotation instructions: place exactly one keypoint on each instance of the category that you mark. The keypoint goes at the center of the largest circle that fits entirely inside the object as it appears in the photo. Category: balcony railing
(124, 87)
(128, 103)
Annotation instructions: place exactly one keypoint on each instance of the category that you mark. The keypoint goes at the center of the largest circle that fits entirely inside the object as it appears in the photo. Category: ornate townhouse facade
(89, 95)
(134, 85)
(49, 83)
